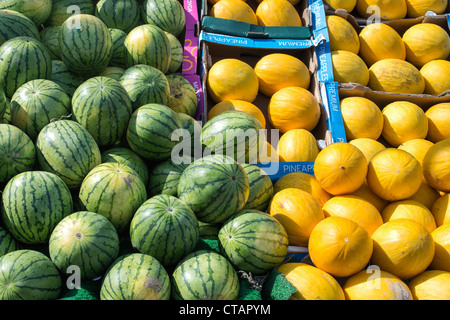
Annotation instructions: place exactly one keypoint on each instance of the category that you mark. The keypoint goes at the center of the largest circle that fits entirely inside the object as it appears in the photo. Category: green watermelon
(23, 59)
(119, 49)
(103, 107)
(150, 131)
(136, 276)
(193, 133)
(7, 242)
(33, 204)
(50, 37)
(7, 113)
(28, 275)
(129, 158)
(205, 275)
(165, 228)
(253, 241)
(261, 188)
(208, 230)
(182, 95)
(215, 187)
(62, 75)
(164, 177)
(36, 103)
(113, 190)
(17, 152)
(119, 14)
(176, 53)
(112, 72)
(84, 239)
(67, 149)
(148, 44)
(14, 24)
(3, 103)
(145, 84)
(63, 9)
(86, 44)
(37, 11)
(167, 14)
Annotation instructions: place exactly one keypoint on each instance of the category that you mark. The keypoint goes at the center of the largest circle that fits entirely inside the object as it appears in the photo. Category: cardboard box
(191, 39)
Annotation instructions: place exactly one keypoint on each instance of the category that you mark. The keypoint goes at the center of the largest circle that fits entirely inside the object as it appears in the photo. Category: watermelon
(36, 103)
(136, 276)
(28, 275)
(150, 131)
(63, 9)
(119, 14)
(145, 84)
(85, 239)
(208, 230)
(14, 24)
(37, 11)
(182, 95)
(176, 53)
(3, 103)
(86, 44)
(129, 158)
(164, 177)
(66, 148)
(114, 191)
(50, 37)
(33, 204)
(234, 133)
(253, 241)
(23, 59)
(261, 188)
(215, 187)
(148, 44)
(62, 75)
(7, 111)
(165, 228)
(193, 133)
(7, 242)
(205, 275)
(103, 107)
(112, 72)
(166, 14)
(17, 152)
(119, 49)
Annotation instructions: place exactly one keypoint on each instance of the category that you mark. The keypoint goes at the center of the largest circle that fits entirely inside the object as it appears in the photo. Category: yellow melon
(380, 41)
(418, 8)
(311, 283)
(297, 145)
(436, 166)
(362, 118)
(395, 75)
(369, 147)
(268, 154)
(441, 210)
(426, 195)
(349, 67)
(394, 174)
(438, 122)
(425, 42)
(441, 237)
(340, 246)
(277, 13)
(431, 285)
(293, 108)
(343, 35)
(417, 147)
(375, 284)
(298, 212)
(382, 9)
(402, 247)
(340, 168)
(236, 10)
(367, 194)
(437, 76)
(347, 5)
(232, 79)
(279, 70)
(239, 105)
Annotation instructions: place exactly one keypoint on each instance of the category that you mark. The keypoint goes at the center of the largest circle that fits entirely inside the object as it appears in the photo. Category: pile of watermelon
(91, 93)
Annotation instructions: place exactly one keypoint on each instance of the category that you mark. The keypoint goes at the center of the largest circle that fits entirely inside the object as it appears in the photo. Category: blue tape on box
(448, 20)
(276, 170)
(330, 97)
(318, 18)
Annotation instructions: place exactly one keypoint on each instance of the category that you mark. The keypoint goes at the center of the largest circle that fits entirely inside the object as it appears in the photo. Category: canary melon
(382, 9)
(438, 122)
(417, 147)
(426, 195)
(369, 147)
(436, 166)
(418, 8)
(239, 105)
(367, 194)
(236, 10)
(441, 210)
(277, 13)
(431, 285)
(362, 118)
(343, 35)
(441, 260)
(436, 76)
(297, 145)
(409, 209)
(349, 67)
(347, 5)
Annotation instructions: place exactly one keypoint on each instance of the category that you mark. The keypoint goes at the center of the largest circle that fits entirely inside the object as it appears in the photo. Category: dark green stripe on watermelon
(119, 49)
(166, 14)
(63, 9)
(119, 14)
(36, 11)
(14, 24)
(50, 37)
(62, 75)
(164, 177)
(112, 72)
(3, 103)
(176, 54)
(7, 242)
(261, 188)
(182, 95)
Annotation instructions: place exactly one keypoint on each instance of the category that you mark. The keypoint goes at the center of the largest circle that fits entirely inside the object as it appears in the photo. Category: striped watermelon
(62, 75)
(205, 275)
(7, 242)
(63, 9)
(67, 149)
(194, 128)
(86, 44)
(17, 152)
(37, 11)
(33, 204)
(23, 59)
(28, 275)
(85, 239)
(7, 113)
(182, 95)
(103, 107)
(165, 228)
(234, 133)
(150, 130)
(167, 14)
(127, 157)
(14, 24)
(253, 241)
(50, 37)
(145, 84)
(176, 53)
(209, 230)
(261, 188)
(215, 187)
(148, 44)
(36, 103)
(114, 191)
(119, 14)
(3, 103)
(119, 49)
(164, 177)
(112, 72)
(136, 276)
